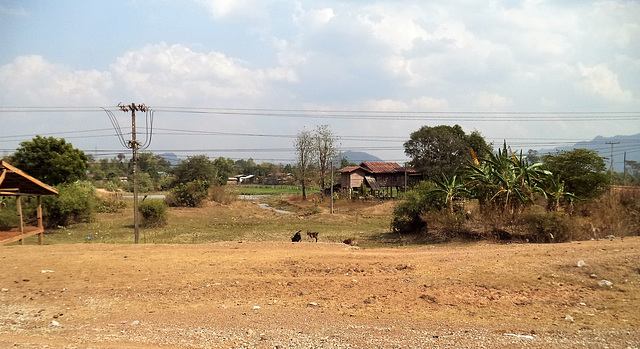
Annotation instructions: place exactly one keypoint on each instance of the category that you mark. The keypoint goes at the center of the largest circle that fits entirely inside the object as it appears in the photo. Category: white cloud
(491, 101)
(430, 104)
(221, 8)
(314, 19)
(32, 79)
(177, 73)
(600, 80)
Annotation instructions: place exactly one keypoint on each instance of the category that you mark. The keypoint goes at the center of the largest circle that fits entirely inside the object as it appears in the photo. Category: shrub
(222, 194)
(154, 213)
(74, 203)
(191, 194)
(542, 226)
(408, 215)
(109, 204)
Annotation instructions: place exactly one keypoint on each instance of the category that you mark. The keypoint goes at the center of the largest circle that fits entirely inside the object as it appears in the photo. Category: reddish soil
(321, 295)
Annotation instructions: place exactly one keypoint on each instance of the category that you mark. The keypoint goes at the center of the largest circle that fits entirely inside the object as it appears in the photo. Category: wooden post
(40, 221)
(20, 218)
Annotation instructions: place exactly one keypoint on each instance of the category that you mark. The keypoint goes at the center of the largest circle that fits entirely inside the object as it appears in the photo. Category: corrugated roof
(349, 169)
(383, 167)
(15, 182)
(378, 167)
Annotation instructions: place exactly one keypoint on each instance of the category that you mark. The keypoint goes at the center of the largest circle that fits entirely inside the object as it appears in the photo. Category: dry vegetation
(308, 295)
(227, 276)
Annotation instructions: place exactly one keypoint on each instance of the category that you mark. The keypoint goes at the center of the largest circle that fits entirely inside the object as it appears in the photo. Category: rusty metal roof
(14, 182)
(385, 167)
(349, 169)
(378, 167)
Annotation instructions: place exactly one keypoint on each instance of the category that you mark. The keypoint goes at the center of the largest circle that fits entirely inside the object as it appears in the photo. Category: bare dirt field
(321, 295)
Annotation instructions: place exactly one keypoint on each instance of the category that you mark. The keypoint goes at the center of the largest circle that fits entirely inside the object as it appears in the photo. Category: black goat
(296, 237)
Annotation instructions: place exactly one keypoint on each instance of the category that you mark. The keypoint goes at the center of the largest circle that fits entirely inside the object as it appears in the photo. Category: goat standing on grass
(312, 235)
(296, 237)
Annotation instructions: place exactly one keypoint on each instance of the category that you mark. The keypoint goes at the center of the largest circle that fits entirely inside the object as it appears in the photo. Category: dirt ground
(321, 295)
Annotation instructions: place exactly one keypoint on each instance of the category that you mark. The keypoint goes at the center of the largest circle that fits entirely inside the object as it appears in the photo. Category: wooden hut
(15, 183)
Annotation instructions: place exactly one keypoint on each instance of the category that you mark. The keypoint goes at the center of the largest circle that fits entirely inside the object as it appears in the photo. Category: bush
(408, 215)
(74, 203)
(154, 213)
(542, 226)
(190, 194)
(222, 194)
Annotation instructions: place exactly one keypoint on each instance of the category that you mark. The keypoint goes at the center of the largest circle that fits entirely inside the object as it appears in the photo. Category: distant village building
(279, 178)
(241, 179)
(380, 177)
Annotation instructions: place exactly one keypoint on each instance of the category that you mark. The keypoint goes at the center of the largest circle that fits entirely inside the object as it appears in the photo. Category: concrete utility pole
(134, 145)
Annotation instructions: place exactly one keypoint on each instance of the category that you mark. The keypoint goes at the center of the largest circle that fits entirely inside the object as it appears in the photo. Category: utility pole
(624, 165)
(331, 186)
(134, 145)
(612, 143)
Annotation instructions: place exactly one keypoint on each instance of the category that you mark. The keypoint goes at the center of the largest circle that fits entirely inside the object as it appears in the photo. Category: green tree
(195, 168)
(51, 160)
(153, 165)
(583, 171)
(442, 150)
(224, 169)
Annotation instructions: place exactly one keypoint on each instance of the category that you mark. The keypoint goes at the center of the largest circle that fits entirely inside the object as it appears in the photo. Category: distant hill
(171, 157)
(629, 144)
(358, 156)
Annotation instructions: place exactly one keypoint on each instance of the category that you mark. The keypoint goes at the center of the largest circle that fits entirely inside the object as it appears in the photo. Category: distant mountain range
(359, 156)
(621, 145)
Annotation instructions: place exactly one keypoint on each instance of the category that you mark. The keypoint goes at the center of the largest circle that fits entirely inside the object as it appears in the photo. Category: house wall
(352, 179)
(390, 179)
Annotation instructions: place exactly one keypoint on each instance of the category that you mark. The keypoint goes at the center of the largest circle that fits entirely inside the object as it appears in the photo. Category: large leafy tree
(224, 169)
(51, 160)
(197, 167)
(583, 171)
(153, 165)
(442, 150)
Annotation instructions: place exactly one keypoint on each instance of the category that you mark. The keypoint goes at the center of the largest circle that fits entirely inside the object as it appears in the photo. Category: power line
(484, 116)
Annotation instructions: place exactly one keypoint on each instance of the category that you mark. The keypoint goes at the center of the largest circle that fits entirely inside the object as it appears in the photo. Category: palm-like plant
(506, 179)
(449, 188)
(553, 190)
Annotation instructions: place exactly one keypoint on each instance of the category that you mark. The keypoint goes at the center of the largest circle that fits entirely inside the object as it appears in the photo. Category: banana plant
(449, 188)
(553, 190)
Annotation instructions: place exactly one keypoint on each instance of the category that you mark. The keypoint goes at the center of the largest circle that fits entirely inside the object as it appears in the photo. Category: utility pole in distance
(612, 143)
(134, 145)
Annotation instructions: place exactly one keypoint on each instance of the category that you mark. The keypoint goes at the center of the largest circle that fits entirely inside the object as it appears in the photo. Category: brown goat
(312, 235)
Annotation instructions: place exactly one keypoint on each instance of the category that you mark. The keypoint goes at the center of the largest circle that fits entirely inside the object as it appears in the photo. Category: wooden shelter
(15, 183)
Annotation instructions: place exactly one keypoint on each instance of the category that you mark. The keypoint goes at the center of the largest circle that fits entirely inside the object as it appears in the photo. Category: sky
(240, 79)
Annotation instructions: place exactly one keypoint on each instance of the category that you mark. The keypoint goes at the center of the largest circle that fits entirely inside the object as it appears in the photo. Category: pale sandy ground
(308, 295)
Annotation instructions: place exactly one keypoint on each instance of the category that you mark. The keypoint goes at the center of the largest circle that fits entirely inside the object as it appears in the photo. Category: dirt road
(308, 295)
